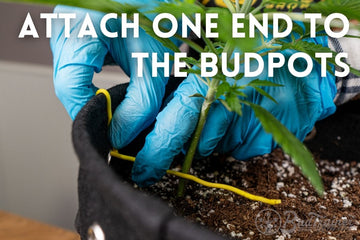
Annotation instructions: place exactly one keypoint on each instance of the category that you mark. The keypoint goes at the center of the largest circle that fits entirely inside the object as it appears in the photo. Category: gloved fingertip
(214, 130)
(114, 137)
(144, 175)
(123, 130)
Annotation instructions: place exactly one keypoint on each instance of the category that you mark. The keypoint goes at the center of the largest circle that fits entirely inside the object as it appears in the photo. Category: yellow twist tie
(235, 190)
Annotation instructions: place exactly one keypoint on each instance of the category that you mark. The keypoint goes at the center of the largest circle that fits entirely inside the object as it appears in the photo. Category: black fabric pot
(106, 199)
(338, 135)
(122, 212)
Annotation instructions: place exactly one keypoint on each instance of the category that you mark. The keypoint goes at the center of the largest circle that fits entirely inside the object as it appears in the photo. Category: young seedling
(219, 89)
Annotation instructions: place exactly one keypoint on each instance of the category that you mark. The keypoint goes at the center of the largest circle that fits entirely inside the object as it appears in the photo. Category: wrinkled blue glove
(76, 60)
(301, 102)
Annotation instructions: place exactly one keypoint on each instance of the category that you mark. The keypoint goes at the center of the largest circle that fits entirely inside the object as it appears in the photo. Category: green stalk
(257, 9)
(190, 43)
(207, 41)
(245, 8)
(209, 99)
(229, 50)
(230, 6)
(237, 5)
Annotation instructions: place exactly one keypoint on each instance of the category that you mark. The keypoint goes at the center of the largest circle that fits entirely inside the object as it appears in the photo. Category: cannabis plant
(231, 95)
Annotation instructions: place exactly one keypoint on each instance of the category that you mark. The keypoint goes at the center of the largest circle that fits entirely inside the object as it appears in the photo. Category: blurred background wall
(38, 167)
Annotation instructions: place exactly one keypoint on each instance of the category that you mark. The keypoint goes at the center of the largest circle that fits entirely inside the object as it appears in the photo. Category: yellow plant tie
(247, 195)
(108, 103)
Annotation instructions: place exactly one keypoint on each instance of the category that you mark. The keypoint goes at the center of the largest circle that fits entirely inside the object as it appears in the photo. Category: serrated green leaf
(355, 71)
(177, 8)
(305, 32)
(264, 93)
(233, 102)
(225, 104)
(239, 76)
(223, 88)
(218, 51)
(311, 49)
(350, 8)
(225, 30)
(351, 36)
(166, 42)
(220, 76)
(291, 145)
(239, 93)
(191, 60)
(298, 28)
(220, 45)
(245, 102)
(192, 70)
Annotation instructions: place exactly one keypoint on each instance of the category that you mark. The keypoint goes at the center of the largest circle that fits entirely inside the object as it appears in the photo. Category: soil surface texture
(303, 213)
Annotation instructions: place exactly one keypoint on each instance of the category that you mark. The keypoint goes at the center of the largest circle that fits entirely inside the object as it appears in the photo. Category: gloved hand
(301, 102)
(76, 60)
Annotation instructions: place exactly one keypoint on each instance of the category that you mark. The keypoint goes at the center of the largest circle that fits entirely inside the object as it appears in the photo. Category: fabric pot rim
(104, 195)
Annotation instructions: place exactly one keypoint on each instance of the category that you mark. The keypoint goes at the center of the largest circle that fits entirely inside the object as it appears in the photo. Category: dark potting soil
(302, 213)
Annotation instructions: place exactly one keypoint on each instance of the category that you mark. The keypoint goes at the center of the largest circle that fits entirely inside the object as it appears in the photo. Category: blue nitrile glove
(301, 102)
(76, 60)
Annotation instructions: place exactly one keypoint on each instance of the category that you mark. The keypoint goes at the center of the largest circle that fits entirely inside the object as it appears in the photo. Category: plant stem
(230, 6)
(209, 99)
(257, 9)
(190, 43)
(245, 8)
(207, 41)
(237, 5)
